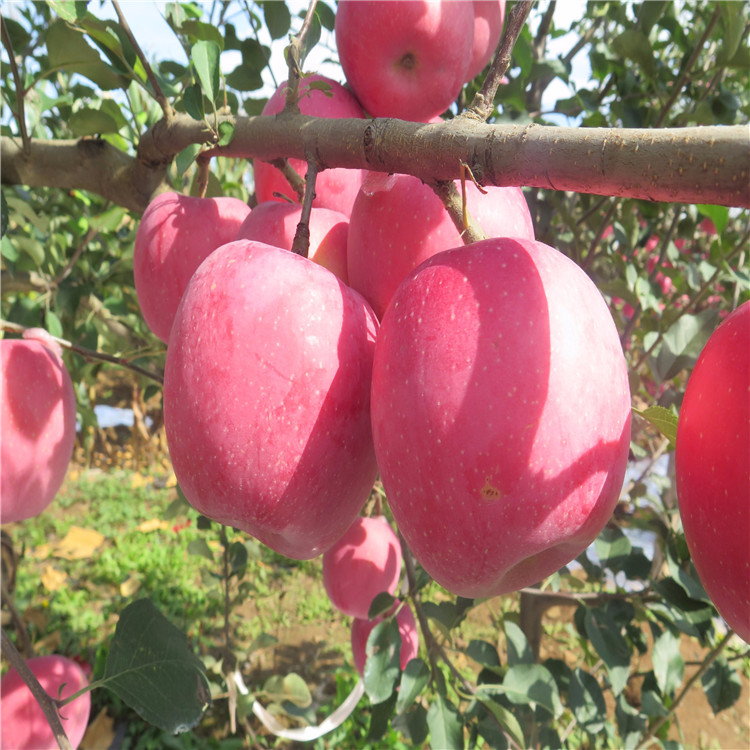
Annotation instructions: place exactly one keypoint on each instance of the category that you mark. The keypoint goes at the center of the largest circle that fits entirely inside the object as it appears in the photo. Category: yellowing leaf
(78, 544)
(100, 733)
(138, 480)
(53, 579)
(129, 587)
(154, 524)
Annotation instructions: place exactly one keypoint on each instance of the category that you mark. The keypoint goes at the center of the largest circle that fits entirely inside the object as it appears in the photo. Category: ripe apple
(38, 426)
(712, 468)
(362, 564)
(334, 188)
(267, 397)
(176, 233)
(397, 222)
(407, 58)
(407, 628)
(501, 414)
(23, 725)
(275, 223)
(488, 26)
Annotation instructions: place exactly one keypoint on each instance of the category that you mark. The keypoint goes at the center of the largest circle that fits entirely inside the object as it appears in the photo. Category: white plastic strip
(305, 734)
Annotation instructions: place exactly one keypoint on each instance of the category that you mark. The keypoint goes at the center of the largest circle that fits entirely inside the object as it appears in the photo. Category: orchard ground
(115, 534)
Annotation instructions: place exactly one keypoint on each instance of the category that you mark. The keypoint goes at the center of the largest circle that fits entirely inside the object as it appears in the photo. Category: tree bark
(688, 165)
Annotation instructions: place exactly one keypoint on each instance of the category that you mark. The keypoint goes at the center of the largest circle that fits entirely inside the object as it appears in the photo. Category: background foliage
(670, 273)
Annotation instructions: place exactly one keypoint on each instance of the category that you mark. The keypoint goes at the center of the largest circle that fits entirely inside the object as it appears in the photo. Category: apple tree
(418, 289)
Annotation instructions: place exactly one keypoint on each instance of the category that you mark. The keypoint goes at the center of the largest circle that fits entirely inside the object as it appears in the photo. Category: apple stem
(455, 205)
(301, 242)
(45, 701)
(6, 325)
(483, 103)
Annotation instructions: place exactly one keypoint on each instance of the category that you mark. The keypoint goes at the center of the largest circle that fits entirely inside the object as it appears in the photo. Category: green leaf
(519, 651)
(649, 13)
(634, 45)
(665, 420)
(192, 100)
(718, 214)
(733, 25)
(413, 724)
(722, 685)
(683, 342)
(89, 121)
(505, 718)
(68, 10)
(67, 50)
(610, 644)
(311, 38)
(415, 676)
(199, 31)
(53, 324)
(669, 666)
(290, 687)
(446, 728)
(380, 604)
(3, 214)
(382, 666)
(237, 557)
(264, 640)
(277, 17)
(532, 684)
(186, 157)
(200, 548)
(612, 547)
(226, 133)
(380, 719)
(205, 58)
(151, 668)
(587, 701)
(483, 653)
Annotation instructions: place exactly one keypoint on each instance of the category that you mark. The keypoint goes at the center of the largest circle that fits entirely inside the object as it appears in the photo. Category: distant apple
(23, 725)
(334, 188)
(501, 414)
(175, 234)
(407, 628)
(488, 27)
(362, 564)
(267, 397)
(397, 222)
(38, 427)
(275, 223)
(712, 467)
(407, 58)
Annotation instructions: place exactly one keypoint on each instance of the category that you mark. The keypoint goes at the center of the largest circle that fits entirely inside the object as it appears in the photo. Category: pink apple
(38, 427)
(501, 414)
(407, 628)
(334, 188)
(408, 58)
(712, 466)
(362, 564)
(488, 27)
(275, 223)
(23, 725)
(398, 222)
(266, 397)
(176, 233)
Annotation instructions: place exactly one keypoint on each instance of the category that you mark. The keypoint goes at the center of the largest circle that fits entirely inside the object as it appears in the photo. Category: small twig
(88, 354)
(18, 623)
(707, 662)
(301, 242)
(45, 701)
(448, 193)
(482, 105)
(203, 163)
(82, 245)
(292, 177)
(158, 93)
(21, 114)
(685, 75)
(294, 59)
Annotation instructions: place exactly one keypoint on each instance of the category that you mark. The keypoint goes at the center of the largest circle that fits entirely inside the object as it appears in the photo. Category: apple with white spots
(407, 628)
(267, 397)
(24, 725)
(334, 188)
(363, 563)
(398, 222)
(501, 414)
(176, 233)
(406, 58)
(275, 223)
(38, 424)
(712, 468)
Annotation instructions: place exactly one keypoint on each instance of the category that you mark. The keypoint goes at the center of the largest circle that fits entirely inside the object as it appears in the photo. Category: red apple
(712, 467)
(407, 628)
(488, 27)
(362, 564)
(275, 223)
(398, 222)
(407, 58)
(501, 414)
(38, 426)
(176, 233)
(266, 397)
(334, 188)
(23, 725)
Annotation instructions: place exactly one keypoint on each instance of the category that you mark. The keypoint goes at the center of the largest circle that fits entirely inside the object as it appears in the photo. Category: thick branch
(688, 165)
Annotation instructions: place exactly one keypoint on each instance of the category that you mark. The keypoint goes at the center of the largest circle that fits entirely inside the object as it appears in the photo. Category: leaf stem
(21, 114)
